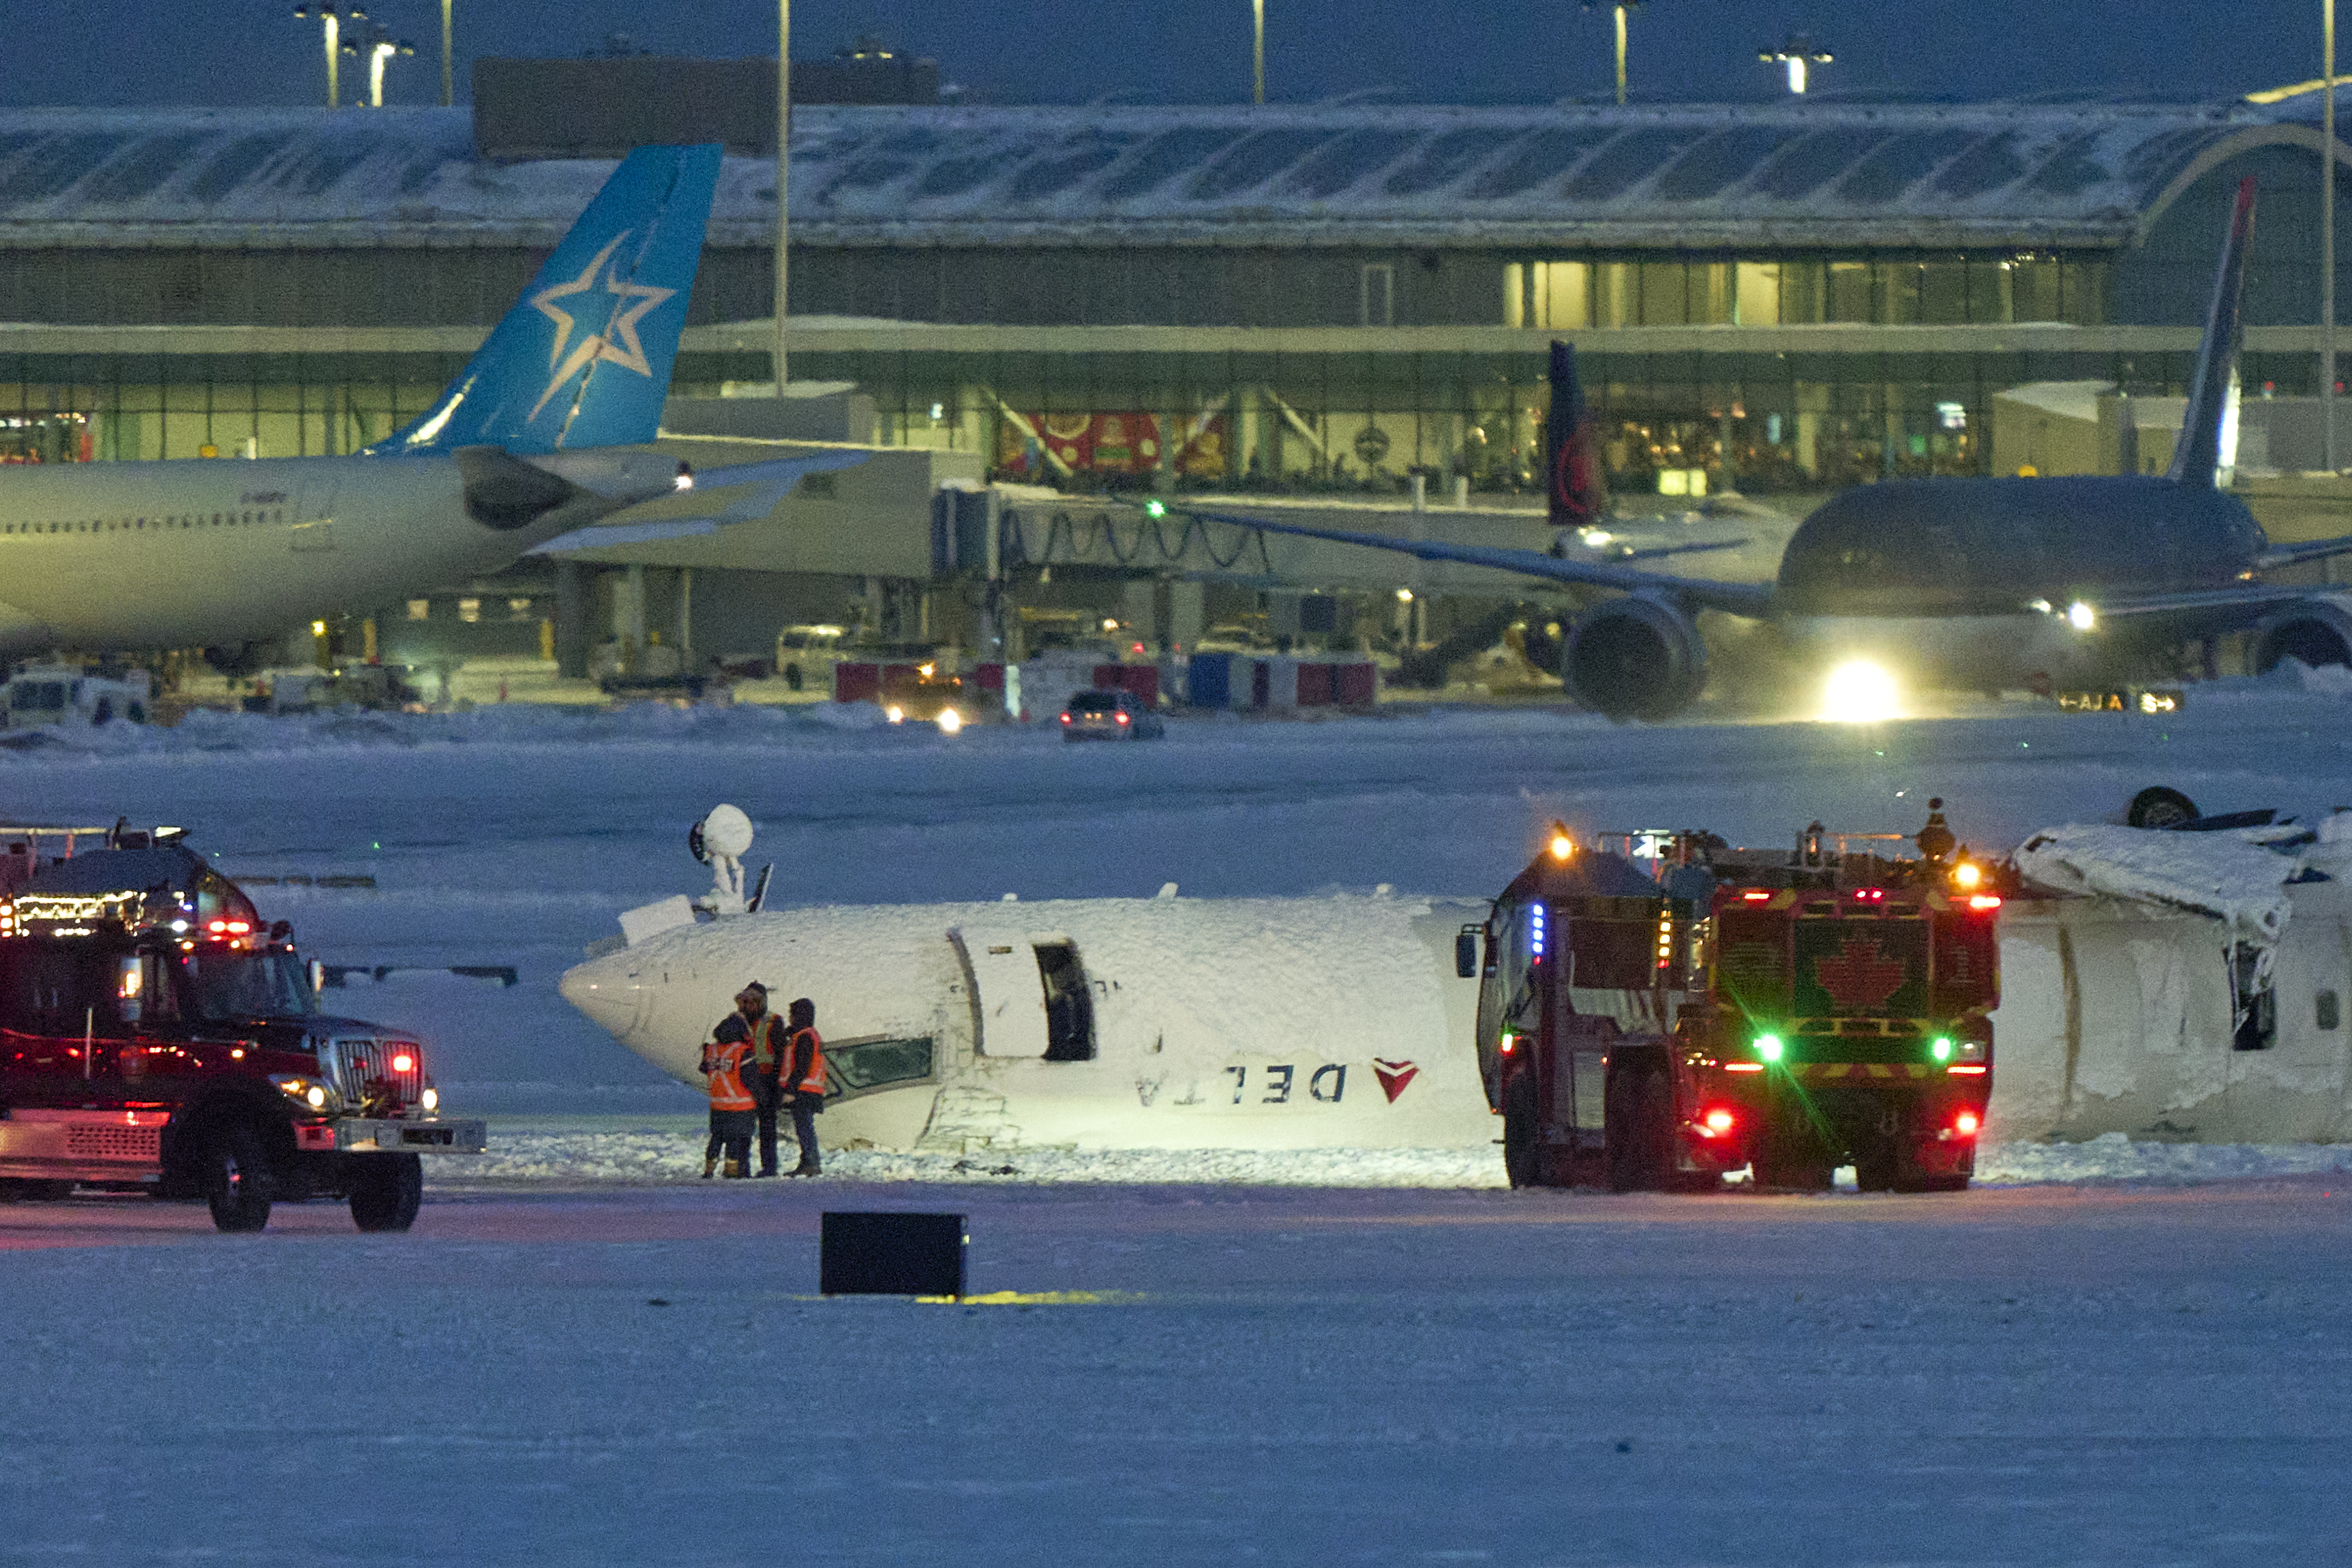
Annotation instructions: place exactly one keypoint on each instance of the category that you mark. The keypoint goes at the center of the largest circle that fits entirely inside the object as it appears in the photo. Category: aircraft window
(2253, 1001)
(2324, 1010)
(1070, 1006)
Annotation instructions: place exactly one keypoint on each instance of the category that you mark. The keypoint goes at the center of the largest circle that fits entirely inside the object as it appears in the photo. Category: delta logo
(1395, 1076)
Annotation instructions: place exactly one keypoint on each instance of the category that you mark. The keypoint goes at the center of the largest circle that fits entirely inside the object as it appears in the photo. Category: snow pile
(643, 1154)
(2115, 1158)
(2219, 874)
(668, 1149)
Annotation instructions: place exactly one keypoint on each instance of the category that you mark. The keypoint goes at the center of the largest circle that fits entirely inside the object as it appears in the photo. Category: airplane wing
(1750, 599)
(2251, 597)
(2313, 549)
(761, 486)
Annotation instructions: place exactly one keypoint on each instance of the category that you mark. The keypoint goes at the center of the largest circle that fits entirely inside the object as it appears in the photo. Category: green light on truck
(1942, 1049)
(1768, 1047)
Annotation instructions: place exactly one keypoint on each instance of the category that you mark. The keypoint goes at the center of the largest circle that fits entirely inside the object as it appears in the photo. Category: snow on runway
(1197, 1375)
(2112, 1354)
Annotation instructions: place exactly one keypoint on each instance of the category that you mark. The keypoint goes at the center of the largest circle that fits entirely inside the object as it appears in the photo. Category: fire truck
(1658, 1010)
(156, 1037)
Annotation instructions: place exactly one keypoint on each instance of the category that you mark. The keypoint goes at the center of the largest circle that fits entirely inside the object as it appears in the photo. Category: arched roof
(1785, 175)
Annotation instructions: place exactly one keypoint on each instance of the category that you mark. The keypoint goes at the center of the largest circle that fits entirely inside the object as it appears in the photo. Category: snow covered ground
(1192, 1374)
(2109, 1354)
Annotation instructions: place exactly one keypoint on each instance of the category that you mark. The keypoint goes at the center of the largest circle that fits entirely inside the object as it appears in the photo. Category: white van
(62, 694)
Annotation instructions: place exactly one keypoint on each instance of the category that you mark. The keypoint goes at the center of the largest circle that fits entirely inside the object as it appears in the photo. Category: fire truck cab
(1658, 1010)
(155, 1036)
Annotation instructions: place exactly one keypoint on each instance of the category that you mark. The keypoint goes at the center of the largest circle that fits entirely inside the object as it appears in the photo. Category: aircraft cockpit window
(1070, 1006)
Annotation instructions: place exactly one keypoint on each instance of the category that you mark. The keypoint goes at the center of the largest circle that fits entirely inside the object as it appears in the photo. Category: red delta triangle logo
(1394, 1076)
(1860, 978)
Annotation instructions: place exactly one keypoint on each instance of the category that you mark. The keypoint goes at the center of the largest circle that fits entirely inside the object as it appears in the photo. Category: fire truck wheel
(1877, 1171)
(1519, 1151)
(236, 1180)
(385, 1191)
(1641, 1132)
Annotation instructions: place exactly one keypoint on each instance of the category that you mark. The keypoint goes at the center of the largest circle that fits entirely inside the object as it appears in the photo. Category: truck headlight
(308, 1092)
(430, 1100)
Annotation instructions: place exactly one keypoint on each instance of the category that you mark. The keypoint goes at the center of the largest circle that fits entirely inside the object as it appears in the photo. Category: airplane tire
(236, 1180)
(386, 1191)
(2158, 806)
(1520, 1154)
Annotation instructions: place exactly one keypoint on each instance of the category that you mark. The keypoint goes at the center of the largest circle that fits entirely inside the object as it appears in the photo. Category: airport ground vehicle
(805, 656)
(1793, 1009)
(1101, 715)
(156, 1037)
(69, 694)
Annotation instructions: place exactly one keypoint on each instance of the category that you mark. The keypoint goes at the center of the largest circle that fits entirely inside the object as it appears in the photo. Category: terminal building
(1784, 297)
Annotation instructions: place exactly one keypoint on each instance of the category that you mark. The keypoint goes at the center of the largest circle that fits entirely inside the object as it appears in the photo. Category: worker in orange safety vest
(733, 1111)
(803, 1081)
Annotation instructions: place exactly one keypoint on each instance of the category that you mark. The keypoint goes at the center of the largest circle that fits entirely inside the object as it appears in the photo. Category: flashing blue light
(1536, 929)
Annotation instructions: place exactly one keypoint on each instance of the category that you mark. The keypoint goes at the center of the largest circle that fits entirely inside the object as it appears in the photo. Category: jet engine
(2317, 631)
(1635, 657)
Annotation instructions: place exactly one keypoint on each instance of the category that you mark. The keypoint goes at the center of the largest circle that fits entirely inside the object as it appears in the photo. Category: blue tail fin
(1578, 491)
(2209, 431)
(584, 357)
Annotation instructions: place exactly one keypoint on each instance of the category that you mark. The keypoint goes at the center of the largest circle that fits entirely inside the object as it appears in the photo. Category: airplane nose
(607, 993)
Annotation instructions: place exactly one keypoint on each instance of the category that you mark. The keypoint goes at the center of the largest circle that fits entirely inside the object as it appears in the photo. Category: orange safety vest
(767, 1046)
(724, 1064)
(812, 1081)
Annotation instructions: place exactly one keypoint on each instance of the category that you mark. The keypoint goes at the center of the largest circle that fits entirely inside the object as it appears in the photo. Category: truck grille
(113, 1142)
(364, 1069)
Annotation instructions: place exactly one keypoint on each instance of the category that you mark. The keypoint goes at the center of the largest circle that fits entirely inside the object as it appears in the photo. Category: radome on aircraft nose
(607, 993)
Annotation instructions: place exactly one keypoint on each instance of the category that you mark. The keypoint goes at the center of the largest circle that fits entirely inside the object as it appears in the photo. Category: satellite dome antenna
(720, 841)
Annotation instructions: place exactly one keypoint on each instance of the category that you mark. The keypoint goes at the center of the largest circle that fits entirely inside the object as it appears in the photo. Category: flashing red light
(1065, 718)
(1965, 1124)
(404, 1062)
(1980, 902)
(1719, 1121)
(1756, 895)
(229, 928)
(1743, 1067)
(1870, 895)
(1977, 1071)
(1120, 717)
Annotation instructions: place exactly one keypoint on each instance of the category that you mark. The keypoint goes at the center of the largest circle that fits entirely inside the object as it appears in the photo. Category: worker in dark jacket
(804, 1082)
(763, 1075)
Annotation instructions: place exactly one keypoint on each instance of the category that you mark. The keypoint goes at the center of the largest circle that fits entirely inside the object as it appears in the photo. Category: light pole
(1258, 51)
(331, 25)
(448, 96)
(2328, 235)
(783, 171)
(1797, 54)
(1619, 8)
(380, 49)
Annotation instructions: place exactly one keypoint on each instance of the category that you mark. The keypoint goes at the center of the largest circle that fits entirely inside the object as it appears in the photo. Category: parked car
(67, 694)
(1100, 715)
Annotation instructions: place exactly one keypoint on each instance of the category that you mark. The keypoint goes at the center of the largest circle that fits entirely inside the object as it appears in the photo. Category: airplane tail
(2208, 434)
(1577, 491)
(584, 359)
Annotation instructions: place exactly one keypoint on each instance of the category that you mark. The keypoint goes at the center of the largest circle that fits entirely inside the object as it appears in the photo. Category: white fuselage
(1281, 1023)
(105, 556)
(1228, 1024)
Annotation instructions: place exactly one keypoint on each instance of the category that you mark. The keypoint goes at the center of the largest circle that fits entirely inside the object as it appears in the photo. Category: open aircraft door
(1008, 1002)
(314, 514)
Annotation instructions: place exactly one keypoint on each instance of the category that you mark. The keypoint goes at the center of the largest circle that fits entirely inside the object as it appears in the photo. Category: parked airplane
(2156, 1007)
(1969, 582)
(530, 442)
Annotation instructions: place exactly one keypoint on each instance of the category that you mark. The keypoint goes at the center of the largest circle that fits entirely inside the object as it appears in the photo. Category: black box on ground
(891, 1255)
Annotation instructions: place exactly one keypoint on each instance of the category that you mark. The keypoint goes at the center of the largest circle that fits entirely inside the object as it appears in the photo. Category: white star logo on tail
(618, 343)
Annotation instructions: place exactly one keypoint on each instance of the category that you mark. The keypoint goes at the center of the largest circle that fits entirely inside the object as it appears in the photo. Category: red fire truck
(155, 1036)
(1657, 1010)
